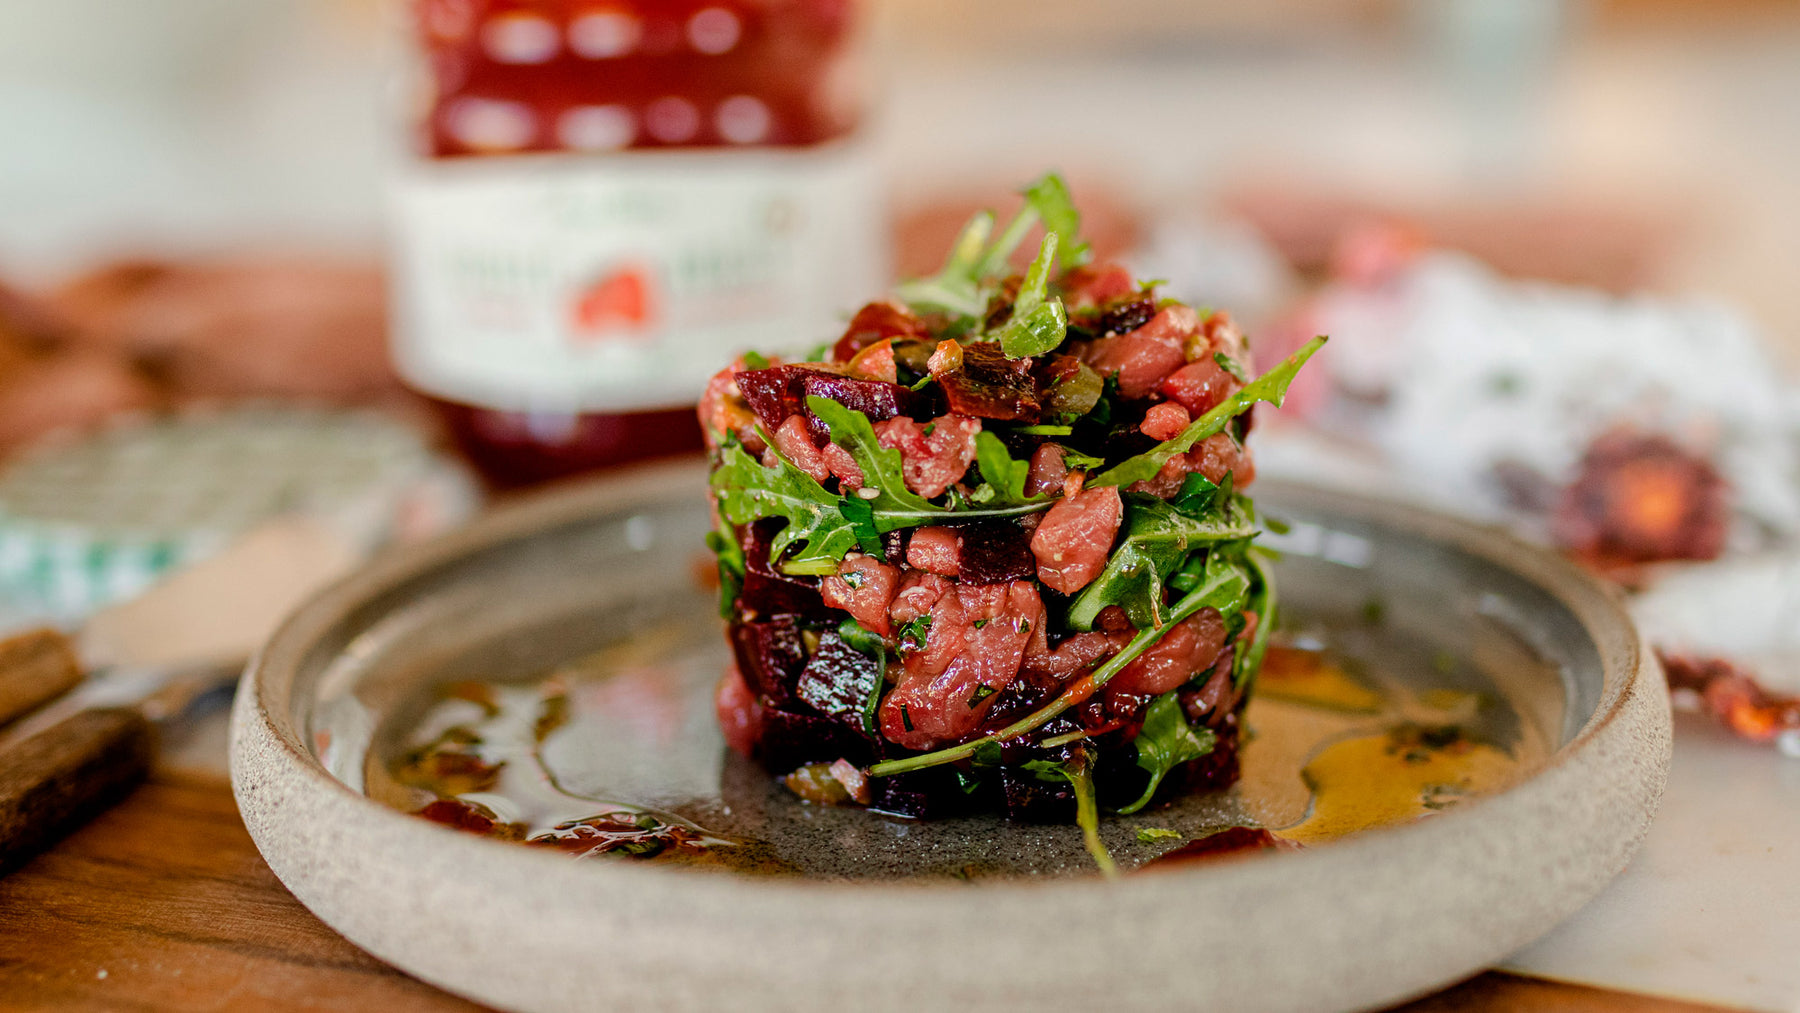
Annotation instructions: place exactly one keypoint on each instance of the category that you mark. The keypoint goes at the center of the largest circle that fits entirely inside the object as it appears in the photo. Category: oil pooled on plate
(615, 756)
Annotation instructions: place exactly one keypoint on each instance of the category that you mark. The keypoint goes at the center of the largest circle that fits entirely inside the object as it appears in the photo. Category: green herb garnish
(1037, 324)
(747, 492)
(1076, 771)
(1166, 742)
(724, 544)
(1157, 541)
(912, 635)
(1002, 476)
(870, 645)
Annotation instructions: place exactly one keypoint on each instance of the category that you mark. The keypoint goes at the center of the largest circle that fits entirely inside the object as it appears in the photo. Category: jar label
(619, 283)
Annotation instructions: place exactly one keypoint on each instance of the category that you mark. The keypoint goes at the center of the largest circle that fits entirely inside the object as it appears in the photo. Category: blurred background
(1624, 142)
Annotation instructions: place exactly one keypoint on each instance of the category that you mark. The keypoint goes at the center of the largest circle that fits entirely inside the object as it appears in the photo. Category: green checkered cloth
(87, 523)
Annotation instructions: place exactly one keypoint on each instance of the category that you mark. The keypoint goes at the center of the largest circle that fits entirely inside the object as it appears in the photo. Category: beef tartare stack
(992, 550)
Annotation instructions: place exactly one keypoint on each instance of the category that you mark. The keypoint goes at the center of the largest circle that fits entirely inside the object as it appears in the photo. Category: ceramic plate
(1461, 731)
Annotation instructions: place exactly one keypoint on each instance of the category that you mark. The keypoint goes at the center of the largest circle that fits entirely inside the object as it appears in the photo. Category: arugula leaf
(748, 492)
(724, 544)
(1035, 283)
(1050, 198)
(861, 516)
(1271, 387)
(1232, 366)
(956, 287)
(880, 465)
(871, 645)
(1045, 430)
(1037, 331)
(1158, 538)
(1003, 478)
(1166, 742)
(894, 506)
(1225, 587)
(1037, 325)
(1199, 494)
(1262, 601)
(754, 359)
(1077, 771)
(994, 262)
(1075, 460)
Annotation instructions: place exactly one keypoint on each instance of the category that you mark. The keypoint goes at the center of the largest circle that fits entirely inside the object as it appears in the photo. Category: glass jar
(608, 200)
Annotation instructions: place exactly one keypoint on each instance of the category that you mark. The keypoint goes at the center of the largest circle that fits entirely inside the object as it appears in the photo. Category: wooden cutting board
(164, 904)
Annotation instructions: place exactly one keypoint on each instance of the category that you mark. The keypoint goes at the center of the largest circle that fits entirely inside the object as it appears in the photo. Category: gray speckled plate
(595, 585)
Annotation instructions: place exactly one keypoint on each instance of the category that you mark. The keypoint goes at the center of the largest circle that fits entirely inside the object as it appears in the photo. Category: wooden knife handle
(66, 774)
(35, 667)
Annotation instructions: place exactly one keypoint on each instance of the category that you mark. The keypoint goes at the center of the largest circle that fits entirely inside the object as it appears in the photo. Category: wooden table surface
(164, 904)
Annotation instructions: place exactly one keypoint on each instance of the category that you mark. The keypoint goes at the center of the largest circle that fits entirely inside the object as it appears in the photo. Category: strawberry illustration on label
(620, 301)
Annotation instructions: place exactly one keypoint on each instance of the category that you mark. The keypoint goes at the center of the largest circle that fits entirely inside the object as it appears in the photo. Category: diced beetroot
(893, 544)
(1164, 421)
(1199, 386)
(920, 794)
(774, 394)
(864, 587)
(779, 392)
(1141, 358)
(931, 463)
(837, 681)
(791, 740)
(1030, 799)
(740, 713)
(1216, 770)
(1076, 535)
(1183, 652)
(972, 650)
(1047, 470)
(877, 399)
(1215, 457)
(995, 552)
(767, 591)
(875, 322)
(1095, 284)
(988, 385)
(769, 657)
(935, 549)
